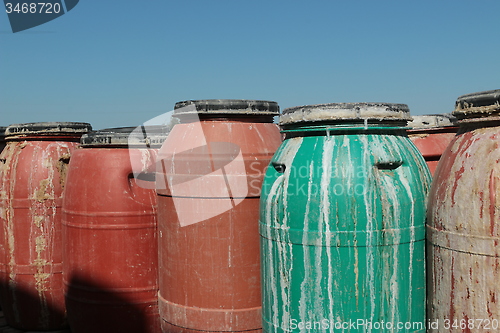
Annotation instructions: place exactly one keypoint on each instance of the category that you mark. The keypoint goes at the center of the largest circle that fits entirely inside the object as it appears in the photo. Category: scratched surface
(342, 233)
(32, 178)
(463, 232)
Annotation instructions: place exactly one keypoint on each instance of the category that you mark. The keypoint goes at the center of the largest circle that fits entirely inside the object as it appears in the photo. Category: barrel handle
(388, 165)
(279, 167)
(131, 181)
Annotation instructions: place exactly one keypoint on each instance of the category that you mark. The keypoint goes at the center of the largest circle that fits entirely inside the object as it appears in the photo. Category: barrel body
(110, 243)
(463, 233)
(32, 178)
(342, 222)
(208, 208)
(342, 234)
(463, 222)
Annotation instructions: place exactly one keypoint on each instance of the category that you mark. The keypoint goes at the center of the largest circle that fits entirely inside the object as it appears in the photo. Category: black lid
(227, 107)
(479, 104)
(47, 128)
(345, 111)
(2, 132)
(142, 136)
(428, 121)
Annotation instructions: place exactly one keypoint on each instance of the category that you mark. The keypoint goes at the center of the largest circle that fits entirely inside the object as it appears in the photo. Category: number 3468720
(33, 8)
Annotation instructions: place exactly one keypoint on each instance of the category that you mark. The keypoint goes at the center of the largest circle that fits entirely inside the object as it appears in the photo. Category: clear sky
(119, 63)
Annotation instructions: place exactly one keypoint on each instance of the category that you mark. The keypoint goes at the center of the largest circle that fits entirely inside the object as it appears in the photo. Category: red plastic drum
(431, 134)
(33, 169)
(208, 185)
(463, 217)
(110, 234)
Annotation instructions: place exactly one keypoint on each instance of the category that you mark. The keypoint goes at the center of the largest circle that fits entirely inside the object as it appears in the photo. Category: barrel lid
(47, 128)
(142, 136)
(479, 104)
(433, 121)
(345, 111)
(227, 107)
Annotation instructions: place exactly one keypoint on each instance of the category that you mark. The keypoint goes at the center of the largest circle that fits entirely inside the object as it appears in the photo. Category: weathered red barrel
(463, 232)
(110, 233)
(33, 169)
(212, 167)
(431, 134)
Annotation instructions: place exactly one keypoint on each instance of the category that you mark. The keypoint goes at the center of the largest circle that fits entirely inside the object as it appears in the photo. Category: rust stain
(481, 200)
(492, 186)
(466, 318)
(452, 289)
(458, 175)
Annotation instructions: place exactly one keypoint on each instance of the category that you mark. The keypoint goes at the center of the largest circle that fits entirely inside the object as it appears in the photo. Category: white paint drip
(285, 156)
(326, 163)
(368, 200)
(305, 285)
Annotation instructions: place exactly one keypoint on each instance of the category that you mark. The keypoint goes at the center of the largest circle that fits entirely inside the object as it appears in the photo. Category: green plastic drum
(342, 222)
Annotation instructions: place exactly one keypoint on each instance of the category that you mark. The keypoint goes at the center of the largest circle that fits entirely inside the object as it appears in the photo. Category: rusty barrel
(110, 233)
(463, 230)
(208, 184)
(431, 134)
(33, 169)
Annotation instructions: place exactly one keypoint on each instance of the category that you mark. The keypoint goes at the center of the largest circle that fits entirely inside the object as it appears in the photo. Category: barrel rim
(478, 104)
(433, 121)
(122, 137)
(227, 107)
(47, 128)
(346, 112)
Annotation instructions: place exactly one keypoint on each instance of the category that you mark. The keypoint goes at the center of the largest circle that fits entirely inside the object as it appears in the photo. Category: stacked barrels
(134, 230)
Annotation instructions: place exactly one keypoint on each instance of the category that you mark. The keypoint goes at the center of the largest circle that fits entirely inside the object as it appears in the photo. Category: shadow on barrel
(95, 307)
(25, 310)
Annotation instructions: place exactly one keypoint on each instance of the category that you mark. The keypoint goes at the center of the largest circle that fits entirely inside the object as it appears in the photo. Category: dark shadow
(25, 310)
(96, 308)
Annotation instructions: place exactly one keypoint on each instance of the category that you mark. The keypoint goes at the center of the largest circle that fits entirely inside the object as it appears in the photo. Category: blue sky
(119, 63)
